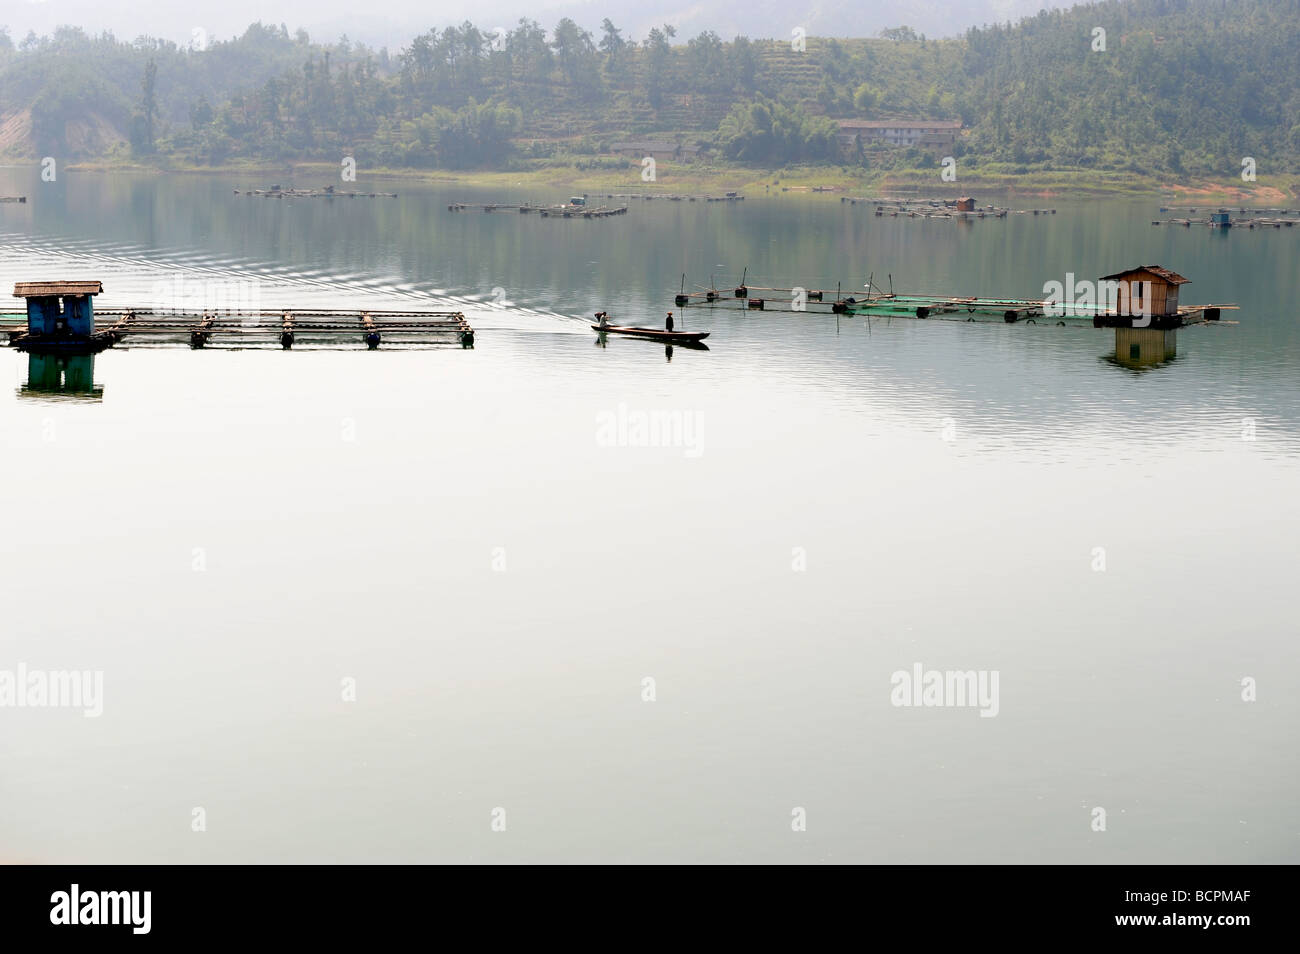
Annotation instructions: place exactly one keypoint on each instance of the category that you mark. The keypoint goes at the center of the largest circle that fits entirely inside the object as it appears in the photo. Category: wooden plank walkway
(246, 329)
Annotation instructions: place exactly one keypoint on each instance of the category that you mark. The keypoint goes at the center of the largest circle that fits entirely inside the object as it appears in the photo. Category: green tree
(742, 63)
(613, 46)
(575, 54)
(142, 127)
(658, 54)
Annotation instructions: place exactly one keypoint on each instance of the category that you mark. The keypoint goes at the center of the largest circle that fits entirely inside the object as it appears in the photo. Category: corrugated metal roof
(41, 289)
(650, 145)
(1167, 274)
(900, 124)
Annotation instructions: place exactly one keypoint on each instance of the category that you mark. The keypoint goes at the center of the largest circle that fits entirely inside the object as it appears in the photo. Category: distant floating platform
(1240, 210)
(252, 329)
(1008, 310)
(1013, 310)
(960, 208)
(1230, 223)
(545, 211)
(677, 196)
(13, 198)
(328, 192)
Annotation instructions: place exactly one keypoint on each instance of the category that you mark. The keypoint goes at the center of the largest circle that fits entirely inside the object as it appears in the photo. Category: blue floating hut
(60, 309)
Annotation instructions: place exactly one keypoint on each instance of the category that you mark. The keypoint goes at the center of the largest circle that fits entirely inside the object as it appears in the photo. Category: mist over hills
(394, 22)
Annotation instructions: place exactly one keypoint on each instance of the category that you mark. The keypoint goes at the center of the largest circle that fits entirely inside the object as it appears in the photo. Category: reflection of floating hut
(61, 377)
(1145, 347)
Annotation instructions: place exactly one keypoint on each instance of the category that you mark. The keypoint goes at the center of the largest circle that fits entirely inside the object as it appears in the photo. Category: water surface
(230, 534)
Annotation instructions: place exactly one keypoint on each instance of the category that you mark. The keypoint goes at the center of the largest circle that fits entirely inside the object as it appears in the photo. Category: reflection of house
(926, 133)
(658, 149)
(54, 377)
(1145, 347)
(1163, 285)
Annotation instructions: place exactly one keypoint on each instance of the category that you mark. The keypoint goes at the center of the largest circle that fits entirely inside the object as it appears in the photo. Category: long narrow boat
(656, 334)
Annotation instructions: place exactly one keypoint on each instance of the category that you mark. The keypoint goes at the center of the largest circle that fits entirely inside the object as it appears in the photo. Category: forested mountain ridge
(392, 23)
(77, 95)
(1181, 87)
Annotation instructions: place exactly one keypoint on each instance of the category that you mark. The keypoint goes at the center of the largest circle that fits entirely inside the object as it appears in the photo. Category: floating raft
(950, 308)
(813, 299)
(986, 213)
(1226, 222)
(1241, 210)
(250, 329)
(677, 196)
(545, 211)
(1031, 311)
(938, 208)
(329, 192)
(876, 301)
(13, 198)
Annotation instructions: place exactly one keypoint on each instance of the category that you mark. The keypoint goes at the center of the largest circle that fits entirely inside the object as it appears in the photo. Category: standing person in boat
(669, 323)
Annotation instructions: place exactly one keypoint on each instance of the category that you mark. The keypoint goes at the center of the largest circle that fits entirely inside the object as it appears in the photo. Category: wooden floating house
(21, 199)
(1161, 302)
(61, 320)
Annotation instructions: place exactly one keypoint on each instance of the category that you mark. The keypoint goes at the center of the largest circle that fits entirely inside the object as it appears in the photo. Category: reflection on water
(449, 530)
(53, 377)
(1141, 348)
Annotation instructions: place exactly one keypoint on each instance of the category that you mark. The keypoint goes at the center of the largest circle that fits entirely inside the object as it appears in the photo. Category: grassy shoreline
(717, 178)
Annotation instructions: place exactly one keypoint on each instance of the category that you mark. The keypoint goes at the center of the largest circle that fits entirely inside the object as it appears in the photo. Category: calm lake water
(465, 540)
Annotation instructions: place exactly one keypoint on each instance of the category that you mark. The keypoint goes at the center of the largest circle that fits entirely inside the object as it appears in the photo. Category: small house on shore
(658, 150)
(934, 134)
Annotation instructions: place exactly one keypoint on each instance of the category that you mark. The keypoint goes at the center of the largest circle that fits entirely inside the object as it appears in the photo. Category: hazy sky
(394, 22)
